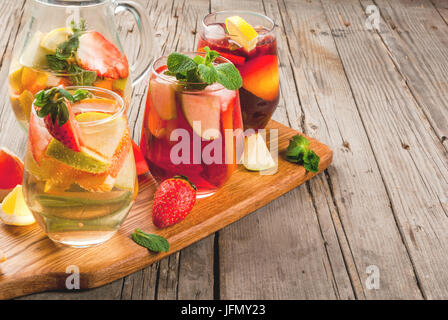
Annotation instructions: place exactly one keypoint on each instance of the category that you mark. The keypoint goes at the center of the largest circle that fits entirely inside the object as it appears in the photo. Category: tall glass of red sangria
(192, 128)
(248, 40)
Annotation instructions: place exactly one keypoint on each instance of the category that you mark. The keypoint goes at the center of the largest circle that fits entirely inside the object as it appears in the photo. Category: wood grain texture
(410, 157)
(34, 263)
(366, 234)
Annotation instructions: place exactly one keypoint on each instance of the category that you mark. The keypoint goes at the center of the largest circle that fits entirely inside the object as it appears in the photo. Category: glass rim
(253, 13)
(113, 116)
(175, 81)
(71, 3)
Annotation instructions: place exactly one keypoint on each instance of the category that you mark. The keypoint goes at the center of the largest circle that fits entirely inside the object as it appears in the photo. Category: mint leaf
(229, 76)
(311, 161)
(152, 242)
(81, 77)
(180, 63)
(211, 55)
(299, 152)
(208, 73)
(81, 94)
(54, 63)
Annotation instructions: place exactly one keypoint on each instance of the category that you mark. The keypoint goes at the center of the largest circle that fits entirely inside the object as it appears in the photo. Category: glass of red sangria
(192, 124)
(248, 40)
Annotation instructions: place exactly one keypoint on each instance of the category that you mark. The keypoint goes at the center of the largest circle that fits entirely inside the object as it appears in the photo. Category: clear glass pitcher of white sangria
(74, 43)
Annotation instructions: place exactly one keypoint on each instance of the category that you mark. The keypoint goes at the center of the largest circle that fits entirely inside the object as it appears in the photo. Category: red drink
(259, 95)
(184, 131)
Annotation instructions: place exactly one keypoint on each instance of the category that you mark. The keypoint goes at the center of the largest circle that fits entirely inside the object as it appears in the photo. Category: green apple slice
(86, 160)
(204, 110)
(256, 155)
(163, 98)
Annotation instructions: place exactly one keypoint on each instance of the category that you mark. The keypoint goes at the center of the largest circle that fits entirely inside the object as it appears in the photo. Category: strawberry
(68, 133)
(173, 201)
(140, 162)
(96, 53)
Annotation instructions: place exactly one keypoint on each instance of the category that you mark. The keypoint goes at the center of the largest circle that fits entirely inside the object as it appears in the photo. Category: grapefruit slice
(205, 110)
(163, 98)
(11, 171)
(260, 77)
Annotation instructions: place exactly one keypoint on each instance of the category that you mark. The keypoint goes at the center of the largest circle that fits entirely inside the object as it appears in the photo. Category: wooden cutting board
(34, 263)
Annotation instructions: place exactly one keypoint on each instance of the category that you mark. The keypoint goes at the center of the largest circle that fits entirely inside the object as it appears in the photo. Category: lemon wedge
(256, 155)
(14, 210)
(242, 32)
(54, 38)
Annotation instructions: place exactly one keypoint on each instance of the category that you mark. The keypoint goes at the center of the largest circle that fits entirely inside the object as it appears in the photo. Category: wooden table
(377, 98)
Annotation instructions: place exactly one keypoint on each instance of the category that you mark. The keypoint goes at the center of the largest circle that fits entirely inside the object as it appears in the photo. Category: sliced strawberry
(173, 201)
(68, 133)
(96, 53)
(38, 137)
(140, 162)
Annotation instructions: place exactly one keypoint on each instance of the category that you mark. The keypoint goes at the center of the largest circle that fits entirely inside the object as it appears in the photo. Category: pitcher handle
(144, 58)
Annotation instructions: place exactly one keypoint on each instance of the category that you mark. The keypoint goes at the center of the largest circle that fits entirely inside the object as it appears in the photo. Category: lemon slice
(14, 210)
(256, 155)
(54, 38)
(91, 116)
(242, 32)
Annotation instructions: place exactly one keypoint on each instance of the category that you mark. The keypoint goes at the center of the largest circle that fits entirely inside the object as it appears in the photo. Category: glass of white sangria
(80, 177)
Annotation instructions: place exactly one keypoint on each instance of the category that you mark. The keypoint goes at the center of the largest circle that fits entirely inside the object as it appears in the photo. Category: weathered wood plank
(423, 66)
(412, 161)
(367, 234)
(279, 251)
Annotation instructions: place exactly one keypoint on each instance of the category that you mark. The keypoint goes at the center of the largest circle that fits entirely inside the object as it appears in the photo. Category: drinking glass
(259, 94)
(81, 198)
(191, 130)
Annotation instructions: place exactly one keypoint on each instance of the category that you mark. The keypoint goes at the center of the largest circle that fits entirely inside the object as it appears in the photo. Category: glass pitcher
(75, 43)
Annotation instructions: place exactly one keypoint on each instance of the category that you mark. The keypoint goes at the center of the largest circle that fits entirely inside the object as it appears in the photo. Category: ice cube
(215, 31)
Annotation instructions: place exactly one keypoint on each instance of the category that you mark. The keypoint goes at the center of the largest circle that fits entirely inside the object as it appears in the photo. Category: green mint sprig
(63, 59)
(152, 242)
(199, 72)
(299, 152)
(52, 102)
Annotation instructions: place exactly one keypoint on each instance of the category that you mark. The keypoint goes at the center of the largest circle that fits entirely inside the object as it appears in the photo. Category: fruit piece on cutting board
(173, 201)
(14, 211)
(260, 77)
(163, 99)
(241, 32)
(11, 171)
(2, 256)
(205, 110)
(256, 155)
(96, 53)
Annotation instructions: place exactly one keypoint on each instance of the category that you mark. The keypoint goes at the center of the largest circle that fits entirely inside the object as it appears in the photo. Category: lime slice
(86, 160)
(54, 38)
(242, 32)
(256, 154)
(14, 210)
